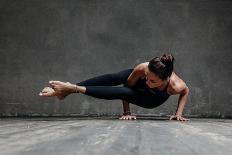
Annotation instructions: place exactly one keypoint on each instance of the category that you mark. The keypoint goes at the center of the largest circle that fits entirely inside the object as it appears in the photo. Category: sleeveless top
(161, 93)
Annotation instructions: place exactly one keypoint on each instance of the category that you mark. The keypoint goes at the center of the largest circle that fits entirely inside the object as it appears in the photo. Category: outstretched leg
(111, 79)
(128, 94)
(137, 96)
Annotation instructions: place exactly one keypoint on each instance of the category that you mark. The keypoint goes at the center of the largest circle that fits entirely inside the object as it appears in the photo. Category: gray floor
(111, 136)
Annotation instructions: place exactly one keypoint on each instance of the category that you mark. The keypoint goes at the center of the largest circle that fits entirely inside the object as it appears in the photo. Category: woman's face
(152, 80)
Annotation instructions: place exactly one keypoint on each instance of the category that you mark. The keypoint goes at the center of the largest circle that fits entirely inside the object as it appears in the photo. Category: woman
(147, 85)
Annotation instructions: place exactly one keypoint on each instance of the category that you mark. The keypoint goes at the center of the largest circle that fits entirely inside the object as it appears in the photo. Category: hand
(127, 117)
(178, 118)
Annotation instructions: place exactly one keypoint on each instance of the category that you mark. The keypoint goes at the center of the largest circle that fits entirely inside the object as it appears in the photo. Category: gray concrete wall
(78, 39)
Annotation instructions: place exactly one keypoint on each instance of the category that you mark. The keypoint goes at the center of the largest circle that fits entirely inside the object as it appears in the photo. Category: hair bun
(167, 59)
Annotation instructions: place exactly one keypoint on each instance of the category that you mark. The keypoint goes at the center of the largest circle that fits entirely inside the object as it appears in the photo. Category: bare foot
(59, 89)
(49, 92)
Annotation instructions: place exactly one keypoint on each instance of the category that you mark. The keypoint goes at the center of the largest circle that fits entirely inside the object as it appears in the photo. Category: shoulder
(177, 85)
(140, 68)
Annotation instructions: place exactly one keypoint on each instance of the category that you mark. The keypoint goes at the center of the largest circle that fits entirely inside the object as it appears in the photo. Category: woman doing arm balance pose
(147, 85)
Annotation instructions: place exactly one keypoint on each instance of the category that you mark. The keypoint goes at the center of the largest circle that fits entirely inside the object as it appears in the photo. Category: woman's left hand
(178, 118)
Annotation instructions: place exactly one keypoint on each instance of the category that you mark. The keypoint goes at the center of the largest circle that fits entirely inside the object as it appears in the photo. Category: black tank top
(161, 93)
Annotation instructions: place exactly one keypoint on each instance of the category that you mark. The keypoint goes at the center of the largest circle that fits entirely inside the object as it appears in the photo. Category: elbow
(185, 91)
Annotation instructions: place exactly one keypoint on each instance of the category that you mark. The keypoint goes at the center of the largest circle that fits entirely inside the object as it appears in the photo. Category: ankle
(74, 89)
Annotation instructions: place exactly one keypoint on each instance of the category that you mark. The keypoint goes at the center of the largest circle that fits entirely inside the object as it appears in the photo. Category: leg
(111, 93)
(111, 79)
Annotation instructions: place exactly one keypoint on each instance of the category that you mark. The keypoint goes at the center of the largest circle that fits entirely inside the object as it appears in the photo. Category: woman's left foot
(59, 89)
(49, 92)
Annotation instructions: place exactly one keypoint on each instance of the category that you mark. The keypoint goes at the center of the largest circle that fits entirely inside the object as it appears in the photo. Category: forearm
(181, 103)
(126, 106)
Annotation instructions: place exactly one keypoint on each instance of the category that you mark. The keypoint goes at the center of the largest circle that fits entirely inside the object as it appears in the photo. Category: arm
(132, 79)
(182, 100)
(183, 91)
(126, 108)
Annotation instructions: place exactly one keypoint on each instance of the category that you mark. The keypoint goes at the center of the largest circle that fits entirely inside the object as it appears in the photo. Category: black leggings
(102, 87)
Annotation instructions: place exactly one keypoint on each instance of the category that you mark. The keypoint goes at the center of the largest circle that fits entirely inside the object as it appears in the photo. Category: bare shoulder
(140, 68)
(142, 65)
(176, 85)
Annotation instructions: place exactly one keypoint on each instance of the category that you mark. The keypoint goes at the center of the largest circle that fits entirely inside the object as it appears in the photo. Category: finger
(178, 118)
(183, 119)
(174, 117)
(171, 117)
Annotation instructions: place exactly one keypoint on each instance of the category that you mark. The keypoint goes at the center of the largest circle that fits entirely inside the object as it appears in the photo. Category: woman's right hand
(127, 117)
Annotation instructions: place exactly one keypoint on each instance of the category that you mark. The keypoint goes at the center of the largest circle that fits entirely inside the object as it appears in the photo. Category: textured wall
(74, 40)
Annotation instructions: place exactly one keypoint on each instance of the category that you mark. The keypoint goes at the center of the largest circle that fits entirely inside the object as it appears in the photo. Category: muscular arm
(182, 100)
(183, 90)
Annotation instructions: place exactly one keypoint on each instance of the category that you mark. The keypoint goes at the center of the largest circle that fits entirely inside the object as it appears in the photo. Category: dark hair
(162, 66)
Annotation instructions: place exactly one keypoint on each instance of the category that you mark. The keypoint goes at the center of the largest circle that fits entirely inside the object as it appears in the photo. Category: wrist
(127, 113)
(178, 114)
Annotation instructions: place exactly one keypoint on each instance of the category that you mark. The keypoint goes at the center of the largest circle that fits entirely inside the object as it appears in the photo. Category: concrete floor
(106, 136)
